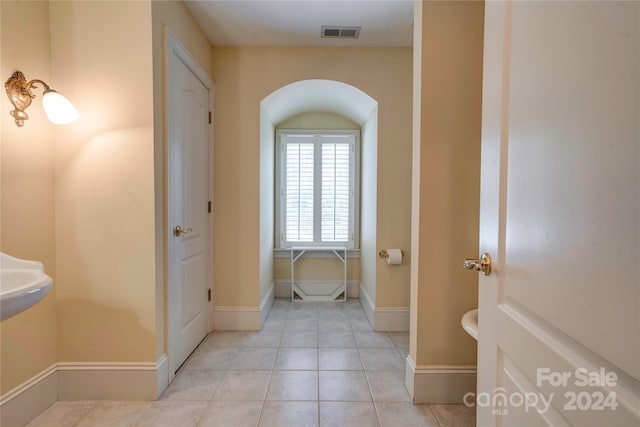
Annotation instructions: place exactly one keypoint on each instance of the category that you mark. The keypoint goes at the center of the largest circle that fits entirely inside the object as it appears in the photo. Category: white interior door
(188, 109)
(560, 215)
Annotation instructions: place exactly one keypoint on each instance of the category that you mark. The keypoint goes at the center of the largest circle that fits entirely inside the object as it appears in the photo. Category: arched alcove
(319, 95)
(331, 97)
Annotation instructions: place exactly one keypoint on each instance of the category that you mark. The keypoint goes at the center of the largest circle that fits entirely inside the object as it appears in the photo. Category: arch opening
(319, 96)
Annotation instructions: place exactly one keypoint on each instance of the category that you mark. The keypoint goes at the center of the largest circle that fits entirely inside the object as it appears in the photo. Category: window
(317, 188)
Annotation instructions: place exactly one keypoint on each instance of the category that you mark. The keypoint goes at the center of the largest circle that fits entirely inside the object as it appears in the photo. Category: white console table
(298, 251)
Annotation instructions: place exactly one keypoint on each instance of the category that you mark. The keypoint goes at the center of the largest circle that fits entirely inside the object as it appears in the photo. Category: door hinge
(208, 294)
(209, 117)
(209, 206)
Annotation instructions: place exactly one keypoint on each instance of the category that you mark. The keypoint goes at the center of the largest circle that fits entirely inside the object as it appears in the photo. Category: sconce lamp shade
(20, 92)
(59, 109)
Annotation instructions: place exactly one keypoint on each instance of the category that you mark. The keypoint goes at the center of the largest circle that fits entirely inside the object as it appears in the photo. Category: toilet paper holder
(383, 253)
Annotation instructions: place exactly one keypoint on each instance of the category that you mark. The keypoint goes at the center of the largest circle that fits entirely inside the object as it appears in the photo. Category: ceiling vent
(331, 32)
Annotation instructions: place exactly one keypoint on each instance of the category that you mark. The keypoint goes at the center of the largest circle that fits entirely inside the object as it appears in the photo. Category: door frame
(173, 46)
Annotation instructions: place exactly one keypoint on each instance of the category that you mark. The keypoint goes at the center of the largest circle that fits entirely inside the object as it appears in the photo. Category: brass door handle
(482, 265)
(179, 230)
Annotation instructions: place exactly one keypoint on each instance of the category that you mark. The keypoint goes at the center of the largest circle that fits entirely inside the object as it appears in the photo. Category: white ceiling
(297, 22)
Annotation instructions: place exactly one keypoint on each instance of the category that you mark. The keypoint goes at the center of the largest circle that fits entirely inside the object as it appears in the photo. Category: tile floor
(312, 364)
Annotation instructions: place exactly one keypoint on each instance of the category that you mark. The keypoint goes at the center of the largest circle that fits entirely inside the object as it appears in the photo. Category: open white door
(188, 203)
(560, 215)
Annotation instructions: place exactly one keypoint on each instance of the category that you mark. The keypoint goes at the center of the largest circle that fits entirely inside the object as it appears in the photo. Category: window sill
(286, 253)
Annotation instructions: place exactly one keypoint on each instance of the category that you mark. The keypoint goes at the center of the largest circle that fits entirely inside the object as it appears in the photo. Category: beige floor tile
(289, 414)
(455, 415)
(304, 308)
(293, 324)
(207, 357)
(293, 385)
(274, 324)
(339, 359)
(63, 414)
(357, 314)
(333, 314)
(334, 323)
(369, 339)
(173, 414)
(336, 339)
(347, 414)
(400, 339)
(344, 385)
(243, 385)
(404, 352)
(396, 414)
(381, 359)
(231, 414)
(360, 325)
(193, 385)
(115, 414)
(297, 358)
(387, 386)
(277, 314)
(307, 317)
(254, 358)
(299, 339)
(282, 303)
(226, 339)
(263, 339)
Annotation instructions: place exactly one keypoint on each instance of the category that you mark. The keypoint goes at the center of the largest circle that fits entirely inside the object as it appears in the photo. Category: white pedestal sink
(22, 284)
(470, 323)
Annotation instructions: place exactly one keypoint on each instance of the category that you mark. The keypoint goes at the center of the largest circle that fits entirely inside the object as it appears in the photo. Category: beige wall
(27, 340)
(178, 19)
(317, 268)
(104, 202)
(447, 169)
(246, 75)
(109, 290)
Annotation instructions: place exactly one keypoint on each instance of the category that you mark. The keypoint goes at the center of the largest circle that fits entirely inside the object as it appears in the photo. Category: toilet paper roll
(394, 256)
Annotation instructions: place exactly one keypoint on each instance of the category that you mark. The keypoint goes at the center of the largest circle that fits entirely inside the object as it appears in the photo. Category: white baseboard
(384, 319)
(267, 302)
(162, 375)
(28, 400)
(236, 318)
(83, 381)
(439, 384)
(102, 383)
(283, 286)
(243, 318)
(391, 319)
(367, 305)
(112, 380)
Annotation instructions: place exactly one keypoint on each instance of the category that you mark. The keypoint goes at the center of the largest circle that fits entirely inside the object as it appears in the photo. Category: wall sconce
(58, 108)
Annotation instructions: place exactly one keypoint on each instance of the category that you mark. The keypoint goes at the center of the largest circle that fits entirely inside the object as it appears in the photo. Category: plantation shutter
(299, 196)
(317, 189)
(336, 189)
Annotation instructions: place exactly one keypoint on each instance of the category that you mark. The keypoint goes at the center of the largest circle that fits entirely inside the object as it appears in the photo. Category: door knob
(482, 265)
(179, 230)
